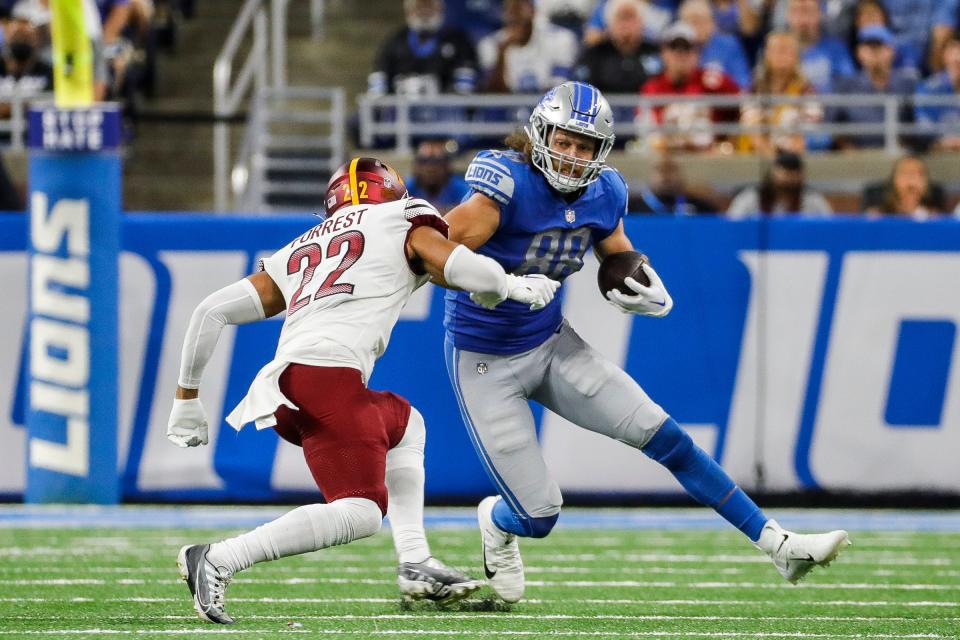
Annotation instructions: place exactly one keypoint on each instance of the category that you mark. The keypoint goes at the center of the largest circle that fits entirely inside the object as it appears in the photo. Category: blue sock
(704, 479)
(508, 520)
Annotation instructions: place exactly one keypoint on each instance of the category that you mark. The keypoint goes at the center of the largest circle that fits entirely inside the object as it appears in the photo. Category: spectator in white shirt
(528, 55)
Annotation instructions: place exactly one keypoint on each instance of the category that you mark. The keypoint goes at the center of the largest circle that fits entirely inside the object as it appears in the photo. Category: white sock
(770, 537)
(404, 480)
(305, 529)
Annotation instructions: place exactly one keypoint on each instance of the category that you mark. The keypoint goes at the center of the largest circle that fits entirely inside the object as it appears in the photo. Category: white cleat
(433, 580)
(501, 555)
(795, 554)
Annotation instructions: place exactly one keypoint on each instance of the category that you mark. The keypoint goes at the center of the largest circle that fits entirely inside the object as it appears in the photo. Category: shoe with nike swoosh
(208, 583)
(796, 554)
(433, 580)
(501, 555)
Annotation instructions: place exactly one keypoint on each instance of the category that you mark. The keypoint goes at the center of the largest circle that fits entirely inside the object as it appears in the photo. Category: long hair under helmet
(579, 108)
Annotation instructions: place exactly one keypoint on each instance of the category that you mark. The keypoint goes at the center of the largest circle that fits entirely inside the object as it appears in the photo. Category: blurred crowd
(751, 51)
(125, 35)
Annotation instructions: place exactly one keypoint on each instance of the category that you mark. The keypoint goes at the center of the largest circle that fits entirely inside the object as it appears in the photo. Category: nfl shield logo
(570, 215)
(482, 368)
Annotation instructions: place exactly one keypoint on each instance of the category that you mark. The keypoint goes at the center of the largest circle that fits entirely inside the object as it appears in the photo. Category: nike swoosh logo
(486, 569)
(662, 304)
(198, 577)
(785, 537)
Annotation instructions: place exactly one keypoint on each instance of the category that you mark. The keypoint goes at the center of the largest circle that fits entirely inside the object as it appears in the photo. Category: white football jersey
(344, 282)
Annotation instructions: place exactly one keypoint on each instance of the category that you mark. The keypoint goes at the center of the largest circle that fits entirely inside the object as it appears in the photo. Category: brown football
(617, 266)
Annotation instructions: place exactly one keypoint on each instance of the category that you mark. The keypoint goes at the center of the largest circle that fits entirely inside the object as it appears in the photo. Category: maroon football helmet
(363, 181)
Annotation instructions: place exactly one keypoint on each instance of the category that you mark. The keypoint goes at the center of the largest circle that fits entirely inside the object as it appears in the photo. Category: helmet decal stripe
(354, 193)
(580, 108)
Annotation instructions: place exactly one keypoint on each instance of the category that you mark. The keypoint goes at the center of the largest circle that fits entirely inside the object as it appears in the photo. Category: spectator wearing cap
(869, 13)
(433, 178)
(877, 77)
(21, 66)
(945, 83)
(424, 57)
(717, 49)
(926, 24)
(527, 55)
(823, 58)
(682, 76)
(623, 62)
(782, 192)
(778, 74)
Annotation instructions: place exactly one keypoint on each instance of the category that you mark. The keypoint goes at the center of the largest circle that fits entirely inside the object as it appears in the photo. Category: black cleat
(433, 580)
(208, 583)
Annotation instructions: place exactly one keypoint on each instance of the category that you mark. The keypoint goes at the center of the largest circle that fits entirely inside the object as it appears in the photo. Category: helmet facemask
(579, 109)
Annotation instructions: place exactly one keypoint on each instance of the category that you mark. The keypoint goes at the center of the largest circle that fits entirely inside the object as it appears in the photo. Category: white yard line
(446, 632)
(442, 616)
(531, 601)
(581, 584)
(56, 555)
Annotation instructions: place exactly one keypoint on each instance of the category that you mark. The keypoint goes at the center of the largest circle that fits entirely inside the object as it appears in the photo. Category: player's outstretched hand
(187, 426)
(648, 301)
(537, 290)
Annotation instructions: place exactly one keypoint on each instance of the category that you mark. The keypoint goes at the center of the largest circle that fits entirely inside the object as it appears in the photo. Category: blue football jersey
(539, 232)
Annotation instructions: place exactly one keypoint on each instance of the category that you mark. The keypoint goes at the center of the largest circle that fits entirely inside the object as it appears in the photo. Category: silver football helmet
(580, 108)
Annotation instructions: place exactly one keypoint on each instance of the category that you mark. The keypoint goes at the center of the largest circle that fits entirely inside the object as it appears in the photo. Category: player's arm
(455, 266)
(253, 298)
(473, 221)
(652, 300)
(613, 243)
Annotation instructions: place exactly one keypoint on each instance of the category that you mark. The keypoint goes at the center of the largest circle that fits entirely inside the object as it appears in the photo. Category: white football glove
(535, 290)
(187, 426)
(648, 301)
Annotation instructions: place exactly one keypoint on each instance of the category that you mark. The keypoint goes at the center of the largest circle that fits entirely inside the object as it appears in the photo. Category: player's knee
(541, 527)
(670, 445)
(362, 517)
(409, 451)
(645, 421)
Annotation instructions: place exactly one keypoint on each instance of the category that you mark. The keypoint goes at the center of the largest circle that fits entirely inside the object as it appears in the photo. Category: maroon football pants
(344, 428)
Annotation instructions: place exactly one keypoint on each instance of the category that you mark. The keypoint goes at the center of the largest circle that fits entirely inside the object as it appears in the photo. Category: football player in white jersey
(342, 285)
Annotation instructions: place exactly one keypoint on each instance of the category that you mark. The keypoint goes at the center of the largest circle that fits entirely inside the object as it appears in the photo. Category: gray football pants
(565, 375)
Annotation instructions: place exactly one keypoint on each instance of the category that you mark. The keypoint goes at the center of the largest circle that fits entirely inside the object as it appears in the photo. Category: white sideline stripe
(532, 583)
(600, 601)
(445, 632)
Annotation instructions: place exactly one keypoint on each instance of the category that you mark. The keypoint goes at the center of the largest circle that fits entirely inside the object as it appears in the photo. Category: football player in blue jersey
(538, 208)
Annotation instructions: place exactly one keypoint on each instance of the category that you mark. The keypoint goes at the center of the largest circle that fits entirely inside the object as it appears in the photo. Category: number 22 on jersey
(308, 257)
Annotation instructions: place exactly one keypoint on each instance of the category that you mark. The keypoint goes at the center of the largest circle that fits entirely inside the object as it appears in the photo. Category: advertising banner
(804, 355)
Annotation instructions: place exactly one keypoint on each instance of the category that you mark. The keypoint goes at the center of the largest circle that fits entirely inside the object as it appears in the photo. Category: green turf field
(666, 584)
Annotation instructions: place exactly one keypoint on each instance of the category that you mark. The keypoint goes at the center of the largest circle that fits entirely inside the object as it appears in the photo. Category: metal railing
(229, 93)
(401, 118)
(266, 52)
(318, 114)
(13, 130)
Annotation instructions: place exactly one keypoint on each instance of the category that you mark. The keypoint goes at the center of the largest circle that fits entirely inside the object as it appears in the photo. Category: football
(617, 266)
